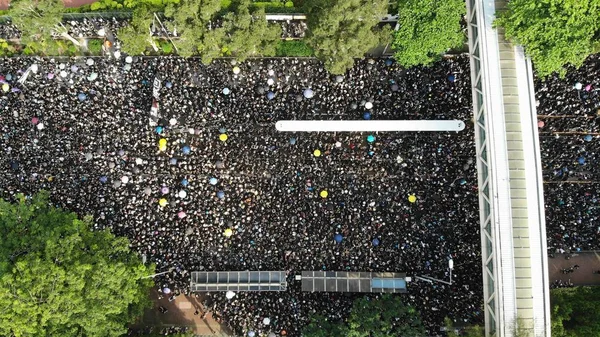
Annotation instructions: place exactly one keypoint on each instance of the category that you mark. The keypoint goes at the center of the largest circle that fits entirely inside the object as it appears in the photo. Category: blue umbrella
(103, 179)
(159, 129)
(308, 93)
(587, 138)
(338, 238)
(293, 141)
(8, 77)
(463, 181)
(81, 97)
(186, 149)
(222, 130)
(213, 181)
(185, 182)
(169, 85)
(370, 138)
(220, 194)
(270, 95)
(226, 91)
(173, 161)
(376, 242)
(581, 160)
(388, 62)
(451, 78)
(367, 115)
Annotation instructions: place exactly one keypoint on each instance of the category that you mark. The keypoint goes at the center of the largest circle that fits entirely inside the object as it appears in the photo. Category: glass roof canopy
(238, 281)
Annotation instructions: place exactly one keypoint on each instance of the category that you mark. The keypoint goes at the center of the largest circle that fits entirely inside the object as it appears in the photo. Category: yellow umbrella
(50, 178)
(162, 144)
(228, 232)
(162, 202)
(236, 70)
(5, 87)
(317, 153)
(324, 194)
(223, 137)
(412, 198)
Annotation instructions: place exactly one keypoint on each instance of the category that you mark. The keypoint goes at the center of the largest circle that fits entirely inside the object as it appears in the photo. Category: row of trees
(555, 33)
(385, 316)
(58, 278)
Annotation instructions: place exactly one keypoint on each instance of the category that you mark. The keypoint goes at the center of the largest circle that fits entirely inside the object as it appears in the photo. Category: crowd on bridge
(210, 184)
(569, 129)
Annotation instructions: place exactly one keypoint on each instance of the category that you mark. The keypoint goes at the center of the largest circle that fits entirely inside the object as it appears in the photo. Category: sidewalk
(588, 263)
(181, 313)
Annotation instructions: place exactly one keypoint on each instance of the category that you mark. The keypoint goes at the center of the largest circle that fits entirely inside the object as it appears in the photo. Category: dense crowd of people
(569, 127)
(88, 27)
(214, 186)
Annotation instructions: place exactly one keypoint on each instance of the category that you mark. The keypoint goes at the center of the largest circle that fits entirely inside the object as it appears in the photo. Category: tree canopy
(554, 33)
(58, 278)
(428, 28)
(342, 30)
(244, 32)
(135, 37)
(575, 311)
(385, 316)
(37, 20)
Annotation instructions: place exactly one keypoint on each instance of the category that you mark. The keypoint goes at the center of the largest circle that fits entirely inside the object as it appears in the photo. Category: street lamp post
(432, 279)
(161, 273)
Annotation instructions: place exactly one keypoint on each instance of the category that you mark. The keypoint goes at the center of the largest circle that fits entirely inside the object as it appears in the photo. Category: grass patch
(293, 48)
(95, 46)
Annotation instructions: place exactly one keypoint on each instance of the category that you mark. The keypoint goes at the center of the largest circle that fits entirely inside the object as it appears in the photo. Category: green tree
(342, 30)
(384, 317)
(428, 28)
(135, 37)
(467, 331)
(575, 312)
(192, 20)
(554, 33)
(320, 326)
(58, 278)
(248, 33)
(37, 21)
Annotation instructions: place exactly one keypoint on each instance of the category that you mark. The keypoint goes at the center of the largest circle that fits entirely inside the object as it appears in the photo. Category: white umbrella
(62, 66)
(191, 131)
(166, 290)
(271, 72)
(236, 70)
(251, 333)
(266, 321)
(89, 62)
(172, 121)
(270, 81)
(40, 126)
(339, 79)
(124, 179)
(147, 191)
(34, 68)
(272, 334)
(63, 73)
(308, 93)
(117, 54)
(129, 59)
(101, 32)
(230, 294)
(369, 105)
(139, 161)
(92, 76)
(182, 194)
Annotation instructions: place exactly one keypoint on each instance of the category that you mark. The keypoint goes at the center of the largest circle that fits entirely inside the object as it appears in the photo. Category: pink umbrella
(50, 76)
(181, 214)
(164, 190)
(35, 120)
(541, 124)
(588, 87)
